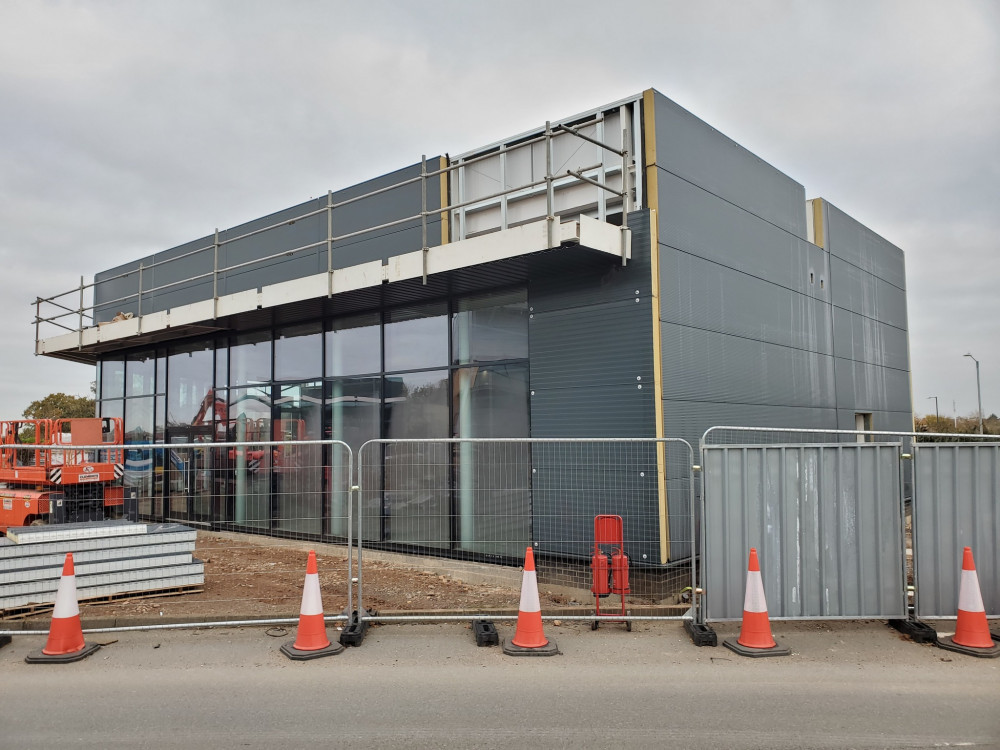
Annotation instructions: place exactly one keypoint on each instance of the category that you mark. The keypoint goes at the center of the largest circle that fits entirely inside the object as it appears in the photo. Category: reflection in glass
(416, 337)
(490, 327)
(417, 496)
(112, 377)
(250, 359)
(250, 422)
(298, 352)
(190, 396)
(354, 346)
(353, 406)
(493, 479)
(140, 374)
(298, 469)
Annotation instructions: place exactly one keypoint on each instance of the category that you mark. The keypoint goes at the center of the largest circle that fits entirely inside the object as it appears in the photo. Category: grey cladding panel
(866, 340)
(698, 153)
(705, 366)
(883, 421)
(690, 419)
(699, 293)
(597, 411)
(861, 292)
(855, 243)
(591, 346)
(872, 388)
(702, 224)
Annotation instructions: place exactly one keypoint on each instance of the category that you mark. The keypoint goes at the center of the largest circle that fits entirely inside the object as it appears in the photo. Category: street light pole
(979, 392)
(937, 413)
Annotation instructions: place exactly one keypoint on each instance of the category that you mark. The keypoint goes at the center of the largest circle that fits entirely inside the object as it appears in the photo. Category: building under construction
(625, 272)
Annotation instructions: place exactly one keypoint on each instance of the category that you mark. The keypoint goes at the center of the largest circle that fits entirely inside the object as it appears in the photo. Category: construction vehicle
(60, 470)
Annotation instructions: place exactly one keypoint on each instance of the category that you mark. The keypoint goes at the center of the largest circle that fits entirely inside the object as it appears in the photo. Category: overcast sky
(131, 127)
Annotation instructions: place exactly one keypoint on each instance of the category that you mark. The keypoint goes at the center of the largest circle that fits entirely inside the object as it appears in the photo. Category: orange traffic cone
(755, 632)
(311, 641)
(972, 634)
(65, 643)
(529, 640)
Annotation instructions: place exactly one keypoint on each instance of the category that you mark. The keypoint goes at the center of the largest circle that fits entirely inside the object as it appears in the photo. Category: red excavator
(60, 470)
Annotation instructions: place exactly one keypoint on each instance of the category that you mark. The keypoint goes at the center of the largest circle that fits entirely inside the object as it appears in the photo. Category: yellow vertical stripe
(652, 202)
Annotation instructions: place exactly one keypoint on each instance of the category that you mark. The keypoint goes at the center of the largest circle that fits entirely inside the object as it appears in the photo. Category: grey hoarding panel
(697, 152)
(703, 224)
(826, 521)
(866, 340)
(852, 241)
(870, 388)
(866, 294)
(706, 366)
(700, 293)
(956, 504)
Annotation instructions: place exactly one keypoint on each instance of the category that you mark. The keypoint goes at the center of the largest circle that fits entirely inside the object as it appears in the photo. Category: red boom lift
(60, 470)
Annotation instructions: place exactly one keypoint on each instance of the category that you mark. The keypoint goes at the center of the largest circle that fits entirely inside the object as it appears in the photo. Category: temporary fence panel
(826, 519)
(955, 506)
(295, 489)
(487, 500)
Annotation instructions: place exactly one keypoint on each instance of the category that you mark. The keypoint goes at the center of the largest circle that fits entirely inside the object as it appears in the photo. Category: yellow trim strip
(445, 215)
(652, 202)
(819, 233)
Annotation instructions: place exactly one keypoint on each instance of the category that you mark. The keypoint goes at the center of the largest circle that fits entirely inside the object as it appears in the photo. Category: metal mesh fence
(481, 503)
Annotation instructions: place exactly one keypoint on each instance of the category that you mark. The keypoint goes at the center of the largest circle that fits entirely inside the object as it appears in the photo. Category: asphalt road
(846, 685)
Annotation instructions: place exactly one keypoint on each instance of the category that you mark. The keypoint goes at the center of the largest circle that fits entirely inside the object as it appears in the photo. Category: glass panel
(353, 407)
(494, 480)
(139, 420)
(140, 374)
(113, 408)
(250, 359)
(354, 346)
(250, 421)
(416, 337)
(298, 469)
(222, 367)
(491, 327)
(298, 353)
(112, 378)
(417, 495)
(189, 394)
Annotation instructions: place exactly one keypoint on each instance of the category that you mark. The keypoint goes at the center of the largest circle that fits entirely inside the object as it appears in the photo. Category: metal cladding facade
(741, 303)
(759, 325)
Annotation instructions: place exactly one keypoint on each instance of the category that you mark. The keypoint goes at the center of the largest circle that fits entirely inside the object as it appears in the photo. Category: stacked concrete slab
(110, 558)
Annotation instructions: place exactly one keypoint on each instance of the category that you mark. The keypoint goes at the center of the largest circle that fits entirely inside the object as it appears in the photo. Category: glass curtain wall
(424, 371)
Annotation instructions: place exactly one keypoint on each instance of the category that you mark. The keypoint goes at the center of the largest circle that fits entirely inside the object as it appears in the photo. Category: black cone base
(37, 657)
(736, 647)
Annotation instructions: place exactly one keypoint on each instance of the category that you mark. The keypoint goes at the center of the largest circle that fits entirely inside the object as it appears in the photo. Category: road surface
(846, 685)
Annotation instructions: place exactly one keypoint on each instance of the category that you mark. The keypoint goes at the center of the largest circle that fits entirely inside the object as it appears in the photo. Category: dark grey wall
(591, 347)
(288, 235)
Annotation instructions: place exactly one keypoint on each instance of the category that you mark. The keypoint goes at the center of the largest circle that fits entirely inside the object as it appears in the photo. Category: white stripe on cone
(970, 598)
(529, 593)
(754, 599)
(66, 604)
(312, 602)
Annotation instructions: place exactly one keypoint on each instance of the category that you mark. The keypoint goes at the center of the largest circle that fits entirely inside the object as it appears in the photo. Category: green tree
(60, 406)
